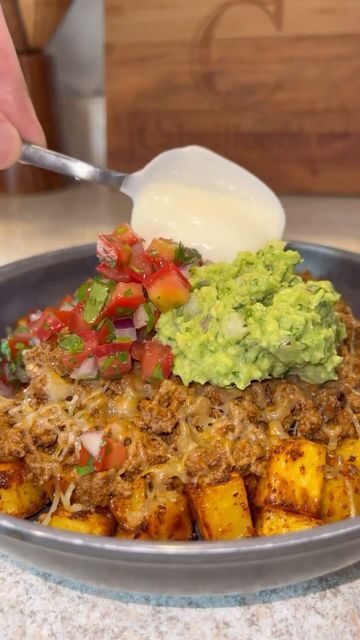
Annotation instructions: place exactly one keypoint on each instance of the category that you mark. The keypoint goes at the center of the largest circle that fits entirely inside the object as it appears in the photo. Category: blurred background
(271, 84)
(77, 49)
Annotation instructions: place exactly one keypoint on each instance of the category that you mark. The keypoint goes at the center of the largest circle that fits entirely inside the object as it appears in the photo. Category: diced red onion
(88, 370)
(185, 270)
(6, 391)
(124, 328)
(140, 317)
(33, 317)
(137, 248)
(66, 306)
(91, 441)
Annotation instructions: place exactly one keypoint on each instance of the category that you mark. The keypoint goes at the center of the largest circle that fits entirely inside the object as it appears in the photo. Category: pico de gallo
(109, 322)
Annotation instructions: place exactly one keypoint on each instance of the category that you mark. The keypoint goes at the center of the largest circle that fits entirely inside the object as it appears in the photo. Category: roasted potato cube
(222, 510)
(18, 494)
(349, 451)
(294, 477)
(171, 520)
(341, 496)
(271, 521)
(130, 511)
(165, 516)
(99, 522)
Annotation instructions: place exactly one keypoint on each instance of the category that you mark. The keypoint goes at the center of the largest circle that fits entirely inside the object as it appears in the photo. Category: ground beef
(161, 413)
(42, 358)
(49, 425)
(143, 452)
(250, 456)
(211, 464)
(95, 489)
(12, 444)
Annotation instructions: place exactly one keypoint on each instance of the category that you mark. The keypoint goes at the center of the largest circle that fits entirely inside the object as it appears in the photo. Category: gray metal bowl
(179, 568)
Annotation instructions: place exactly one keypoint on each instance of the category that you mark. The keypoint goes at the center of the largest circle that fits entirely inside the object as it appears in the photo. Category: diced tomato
(23, 321)
(113, 274)
(67, 300)
(76, 319)
(75, 348)
(18, 343)
(125, 298)
(84, 457)
(103, 350)
(167, 288)
(71, 360)
(139, 267)
(112, 455)
(112, 251)
(47, 326)
(161, 252)
(90, 340)
(126, 234)
(112, 367)
(12, 347)
(64, 316)
(137, 350)
(105, 331)
(156, 361)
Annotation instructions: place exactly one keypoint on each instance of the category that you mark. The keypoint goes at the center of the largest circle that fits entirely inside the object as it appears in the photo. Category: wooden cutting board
(271, 84)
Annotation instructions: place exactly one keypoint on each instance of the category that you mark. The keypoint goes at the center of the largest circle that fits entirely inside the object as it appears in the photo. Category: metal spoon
(71, 167)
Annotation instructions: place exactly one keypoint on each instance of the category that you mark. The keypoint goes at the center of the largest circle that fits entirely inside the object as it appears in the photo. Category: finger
(15, 102)
(10, 144)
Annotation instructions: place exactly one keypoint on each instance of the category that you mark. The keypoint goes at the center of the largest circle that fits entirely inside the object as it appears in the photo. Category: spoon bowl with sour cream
(208, 202)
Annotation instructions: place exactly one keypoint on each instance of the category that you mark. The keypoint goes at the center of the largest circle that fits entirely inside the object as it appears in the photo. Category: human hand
(18, 119)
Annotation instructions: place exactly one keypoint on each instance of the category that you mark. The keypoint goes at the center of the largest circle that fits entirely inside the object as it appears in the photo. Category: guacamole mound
(254, 318)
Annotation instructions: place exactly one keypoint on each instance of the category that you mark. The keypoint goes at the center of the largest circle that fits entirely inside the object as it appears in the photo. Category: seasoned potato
(18, 495)
(349, 451)
(99, 522)
(294, 477)
(130, 511)
(222, 510)
(341, 496)
(164, 516)
(171, 520)
(271, 521)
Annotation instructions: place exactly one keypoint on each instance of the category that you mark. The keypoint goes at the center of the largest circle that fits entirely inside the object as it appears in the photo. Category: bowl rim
(199, 552)
(175, 552)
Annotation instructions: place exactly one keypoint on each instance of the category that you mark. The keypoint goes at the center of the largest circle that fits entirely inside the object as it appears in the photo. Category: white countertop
(38, 606)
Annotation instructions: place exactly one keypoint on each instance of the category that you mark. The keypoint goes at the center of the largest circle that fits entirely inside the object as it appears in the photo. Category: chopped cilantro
(121, 229)
(107, 326)
(86, 468)
(149, 310)
(157, 374)
(185, 255)
(5, 349)
(71, 343)
(83, 291)
(128, 293)
(98, 294)
(124, 311)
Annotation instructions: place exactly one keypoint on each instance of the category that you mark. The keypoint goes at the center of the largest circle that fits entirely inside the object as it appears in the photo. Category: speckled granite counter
(38, 606)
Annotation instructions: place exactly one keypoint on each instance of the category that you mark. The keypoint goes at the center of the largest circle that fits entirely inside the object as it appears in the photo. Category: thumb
(10, 143)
